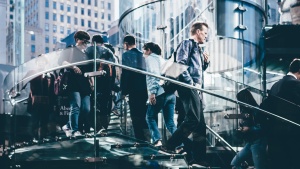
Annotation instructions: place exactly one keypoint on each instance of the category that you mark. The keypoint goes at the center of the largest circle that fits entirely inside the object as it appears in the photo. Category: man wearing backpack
(189, 53)
(103, 83)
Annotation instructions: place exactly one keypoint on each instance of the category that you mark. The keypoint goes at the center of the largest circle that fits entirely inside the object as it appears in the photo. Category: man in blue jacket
(189, 53)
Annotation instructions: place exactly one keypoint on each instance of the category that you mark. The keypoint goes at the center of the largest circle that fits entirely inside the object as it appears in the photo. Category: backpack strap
(190, 52)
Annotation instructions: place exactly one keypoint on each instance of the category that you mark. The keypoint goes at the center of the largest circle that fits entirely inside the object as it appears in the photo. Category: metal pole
(96, 144)
(162, 27)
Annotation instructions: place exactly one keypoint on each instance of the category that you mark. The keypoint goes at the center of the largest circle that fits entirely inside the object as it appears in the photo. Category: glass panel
(234, 60)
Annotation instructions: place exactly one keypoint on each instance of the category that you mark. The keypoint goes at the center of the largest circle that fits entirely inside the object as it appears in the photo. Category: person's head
(110, 47)
(81, 38)
(199, 31)
(98, 39)
(295, 68)
(151, 47)
(129, 42)
(245, 96)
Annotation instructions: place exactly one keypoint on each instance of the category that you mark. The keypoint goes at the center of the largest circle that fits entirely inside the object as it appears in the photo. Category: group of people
(147, 97)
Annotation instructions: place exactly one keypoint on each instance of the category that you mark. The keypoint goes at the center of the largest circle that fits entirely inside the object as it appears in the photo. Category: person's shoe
(115, 112)
(198, 164)
(180, 150)
(102, 132)
(77, 134)
(67, 131)
(158, 143)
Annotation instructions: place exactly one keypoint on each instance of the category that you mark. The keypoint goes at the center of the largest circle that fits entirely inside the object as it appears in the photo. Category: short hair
(295, 66)
(129, 39)
(196, 26)
(153, 47)
(82, 35)
(97, 38)
(110, 47)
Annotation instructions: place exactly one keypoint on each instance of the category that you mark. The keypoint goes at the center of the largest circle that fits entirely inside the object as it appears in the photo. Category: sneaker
(115, 112)
(199, 164)
(77, 134)
(102, 132)
(158, 143)
(67, 131)
(180, 150)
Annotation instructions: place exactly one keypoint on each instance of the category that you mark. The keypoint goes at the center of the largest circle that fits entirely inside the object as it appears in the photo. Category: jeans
(194, 123)
(166, 103)
(79, 105)
(258, 150)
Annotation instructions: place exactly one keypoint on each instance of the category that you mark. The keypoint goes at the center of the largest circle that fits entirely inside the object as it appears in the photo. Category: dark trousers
(104, 105)
(138, 108)
(40, 117)
(194, 123)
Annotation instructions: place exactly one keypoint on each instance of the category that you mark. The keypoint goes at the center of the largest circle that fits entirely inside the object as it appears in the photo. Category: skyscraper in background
(3, 30)
(48, 21)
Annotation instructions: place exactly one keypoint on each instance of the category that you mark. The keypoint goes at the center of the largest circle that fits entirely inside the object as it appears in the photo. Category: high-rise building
(3, 5)
(49, 21)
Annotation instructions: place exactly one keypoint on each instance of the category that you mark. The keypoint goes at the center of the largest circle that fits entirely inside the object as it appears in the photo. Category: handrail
(167, 79)
(137, 7)
(250, 87)
(197, 88)
(221, 139)
(191, 21)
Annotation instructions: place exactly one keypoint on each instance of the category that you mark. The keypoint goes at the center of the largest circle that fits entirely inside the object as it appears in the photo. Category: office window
(96, 25)
(46, 15)
(54, 28)
(75, 0)
(46, 49)
(61, 18)
(89, 2)
(46, 27)
(32, 37)
(109, 6)
(54, 17)
(82, 11)
(102, 4)
(82, 1)
(54, 5)
(62, 30)
(54, 39)
(69, 8)
(76, 9)
(75, 21)
(109, 17)
(102, 15)
(47, 39)
(96, 14)
(96, 2)
(89, 12)
(89, 24)
(109, 26)
(82, 22)
(47, 3)
(68, 31)
(102, 26)
(32, 48)
(61, 6)
(68, 19)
